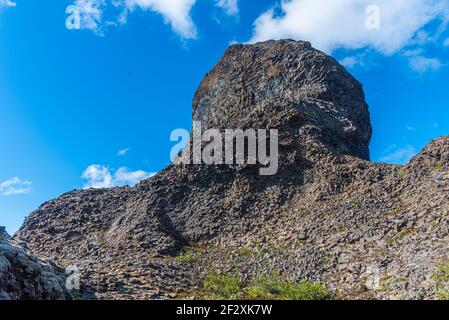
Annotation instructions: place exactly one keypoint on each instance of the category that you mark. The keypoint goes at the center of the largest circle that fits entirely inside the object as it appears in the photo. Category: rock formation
(330, 215)
(24, 277)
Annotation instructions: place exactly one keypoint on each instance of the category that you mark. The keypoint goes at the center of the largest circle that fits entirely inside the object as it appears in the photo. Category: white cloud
(15, 186)
(410, 128)
(332, 24)
(123, 152)
(413, 52)
(399, 156)
(7, 3)
(90, 14)
(352, 61)
(446, 42)
(98, 176)
(125, 177)
(229, 6)
(422, 37)
(176, 13)
(422, 64)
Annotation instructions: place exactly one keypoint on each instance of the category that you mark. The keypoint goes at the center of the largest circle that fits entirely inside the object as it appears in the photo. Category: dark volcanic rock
(286, 85)
(364, 229)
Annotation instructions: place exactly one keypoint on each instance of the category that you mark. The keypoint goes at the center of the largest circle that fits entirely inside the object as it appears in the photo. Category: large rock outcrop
(329, 215)
(22, 276)
(286, 85)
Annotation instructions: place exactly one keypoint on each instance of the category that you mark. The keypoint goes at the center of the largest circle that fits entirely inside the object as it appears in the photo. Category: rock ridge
(363, 229)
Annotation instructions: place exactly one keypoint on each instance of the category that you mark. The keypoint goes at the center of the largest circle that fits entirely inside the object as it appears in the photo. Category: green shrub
(257, 293)
(221, 286)
(187, 257)
(244, 251)
(271, 287)
(404, 233)
(441, 278)
(277, 288)
(441, 274)
(443, 294)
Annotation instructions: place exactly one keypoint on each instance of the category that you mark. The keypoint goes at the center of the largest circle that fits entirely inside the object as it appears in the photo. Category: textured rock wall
(22, 276)
(363, 229)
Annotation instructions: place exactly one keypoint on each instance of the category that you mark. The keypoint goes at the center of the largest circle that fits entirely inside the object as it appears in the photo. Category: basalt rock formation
(22, 276)
(329, 215)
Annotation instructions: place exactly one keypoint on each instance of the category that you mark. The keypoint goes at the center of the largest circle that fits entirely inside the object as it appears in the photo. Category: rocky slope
(24, 277)
(363, 229)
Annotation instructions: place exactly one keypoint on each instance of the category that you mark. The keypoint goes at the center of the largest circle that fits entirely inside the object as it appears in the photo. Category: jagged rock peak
(288, 85)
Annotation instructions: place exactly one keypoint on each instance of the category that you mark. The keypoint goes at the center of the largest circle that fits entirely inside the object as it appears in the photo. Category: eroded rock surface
(22, 276)
(363, 229)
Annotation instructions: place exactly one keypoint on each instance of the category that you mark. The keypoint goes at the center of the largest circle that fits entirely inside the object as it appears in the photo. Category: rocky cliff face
(329, 215)
(286, 85)
(22, 276)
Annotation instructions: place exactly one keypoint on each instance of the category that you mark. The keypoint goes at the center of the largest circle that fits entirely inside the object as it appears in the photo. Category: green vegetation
(399, 209)
(274, 287)
(386, 284)
(223, 286)
(402, 278)
(438, 166)
(441, 274)
(187, 256)
(404, 233)
(244, 251)
(441, 278)
(271, 287)
(393, 212)
(443, 294)
(403, 173)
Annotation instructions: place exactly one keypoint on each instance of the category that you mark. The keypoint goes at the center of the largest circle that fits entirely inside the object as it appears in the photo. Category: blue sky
(94, 106)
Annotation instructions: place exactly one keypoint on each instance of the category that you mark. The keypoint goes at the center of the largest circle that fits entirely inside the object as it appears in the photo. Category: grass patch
(443, 294)
(441, 278)
(223, 287)
(404, 233)
(402, 278)
(386, 284)
(244, 251)
(272, 287)
(187, 257)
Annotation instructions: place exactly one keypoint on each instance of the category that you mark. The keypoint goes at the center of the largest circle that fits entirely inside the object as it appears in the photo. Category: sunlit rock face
(287, 85)
(328, 215)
